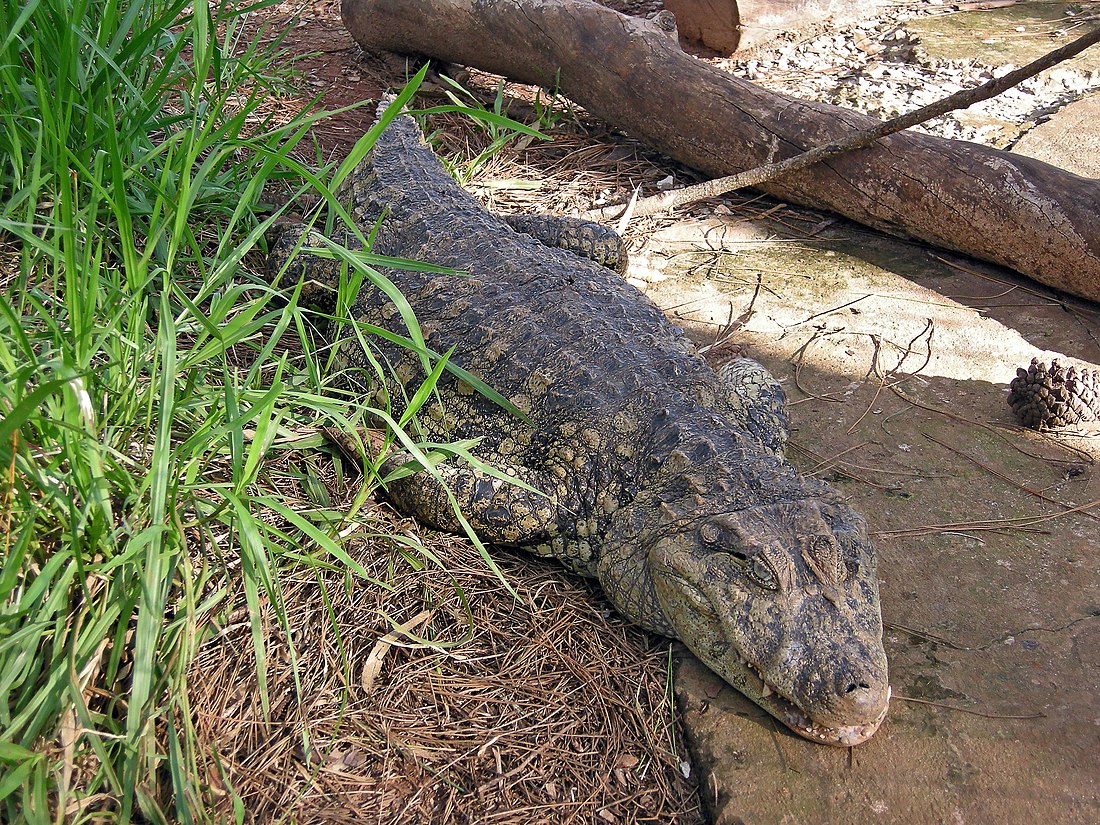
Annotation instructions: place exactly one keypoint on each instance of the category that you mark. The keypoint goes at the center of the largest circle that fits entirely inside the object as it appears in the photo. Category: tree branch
(857, 140)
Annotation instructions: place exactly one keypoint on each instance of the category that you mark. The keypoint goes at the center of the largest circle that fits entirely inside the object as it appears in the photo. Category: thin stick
(998, 474)
(857, 140)
(1019, 522)
(957, 709)
(928, 637)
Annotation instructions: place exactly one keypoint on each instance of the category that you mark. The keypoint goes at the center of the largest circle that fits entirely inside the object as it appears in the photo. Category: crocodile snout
(860, 697)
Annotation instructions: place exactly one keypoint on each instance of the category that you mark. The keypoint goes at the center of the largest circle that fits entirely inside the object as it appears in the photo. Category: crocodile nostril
(861, 698)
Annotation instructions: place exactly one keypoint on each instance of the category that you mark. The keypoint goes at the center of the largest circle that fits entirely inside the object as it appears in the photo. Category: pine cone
(1055, 398)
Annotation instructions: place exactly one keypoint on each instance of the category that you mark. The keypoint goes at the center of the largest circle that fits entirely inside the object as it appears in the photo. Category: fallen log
(1025, 214)
(964, 98)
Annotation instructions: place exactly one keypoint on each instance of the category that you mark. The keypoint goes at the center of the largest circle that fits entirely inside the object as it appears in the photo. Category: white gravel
(879, 68)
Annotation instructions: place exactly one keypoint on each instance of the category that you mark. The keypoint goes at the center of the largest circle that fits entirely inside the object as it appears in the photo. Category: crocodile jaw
(754, 687)
(705, 637)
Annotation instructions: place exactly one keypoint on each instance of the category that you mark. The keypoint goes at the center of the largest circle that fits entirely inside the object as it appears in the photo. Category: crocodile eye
(710, 534)
(763, 574)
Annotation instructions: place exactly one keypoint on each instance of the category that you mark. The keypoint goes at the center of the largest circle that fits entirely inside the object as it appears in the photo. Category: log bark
(1025, 214)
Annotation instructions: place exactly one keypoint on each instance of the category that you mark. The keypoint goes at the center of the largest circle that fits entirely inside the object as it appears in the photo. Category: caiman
(656, 475)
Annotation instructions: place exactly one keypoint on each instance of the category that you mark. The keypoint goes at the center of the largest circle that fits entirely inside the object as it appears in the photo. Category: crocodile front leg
(755, 403)
(500, 512)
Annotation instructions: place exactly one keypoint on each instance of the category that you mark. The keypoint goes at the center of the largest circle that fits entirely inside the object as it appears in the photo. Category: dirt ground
(895, 358)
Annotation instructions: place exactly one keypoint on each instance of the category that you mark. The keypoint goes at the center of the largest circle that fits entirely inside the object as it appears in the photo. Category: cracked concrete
(896, 359)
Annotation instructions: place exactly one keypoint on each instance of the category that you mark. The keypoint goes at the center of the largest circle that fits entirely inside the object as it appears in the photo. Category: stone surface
(1070, 139)
(896, 359)
(1017, 34)
(993, 625)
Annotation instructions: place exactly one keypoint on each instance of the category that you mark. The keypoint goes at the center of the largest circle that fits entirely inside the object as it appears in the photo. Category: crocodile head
(781, 600)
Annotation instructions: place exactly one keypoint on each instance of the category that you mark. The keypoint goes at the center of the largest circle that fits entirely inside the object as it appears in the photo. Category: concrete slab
(896, 360)
(1014, 34)
(1070, 139)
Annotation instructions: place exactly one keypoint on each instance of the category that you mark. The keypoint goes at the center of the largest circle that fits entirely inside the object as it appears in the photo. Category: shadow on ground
(896, 360)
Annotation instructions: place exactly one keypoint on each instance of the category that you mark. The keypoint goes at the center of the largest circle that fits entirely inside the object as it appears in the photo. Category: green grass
(140, 389)
(499, 129)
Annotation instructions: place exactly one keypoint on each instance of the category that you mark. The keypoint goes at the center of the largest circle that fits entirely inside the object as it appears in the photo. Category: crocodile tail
(287, 264)
(401, 132)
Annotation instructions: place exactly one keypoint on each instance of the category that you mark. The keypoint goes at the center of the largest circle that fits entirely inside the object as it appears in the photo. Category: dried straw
(548, 709)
